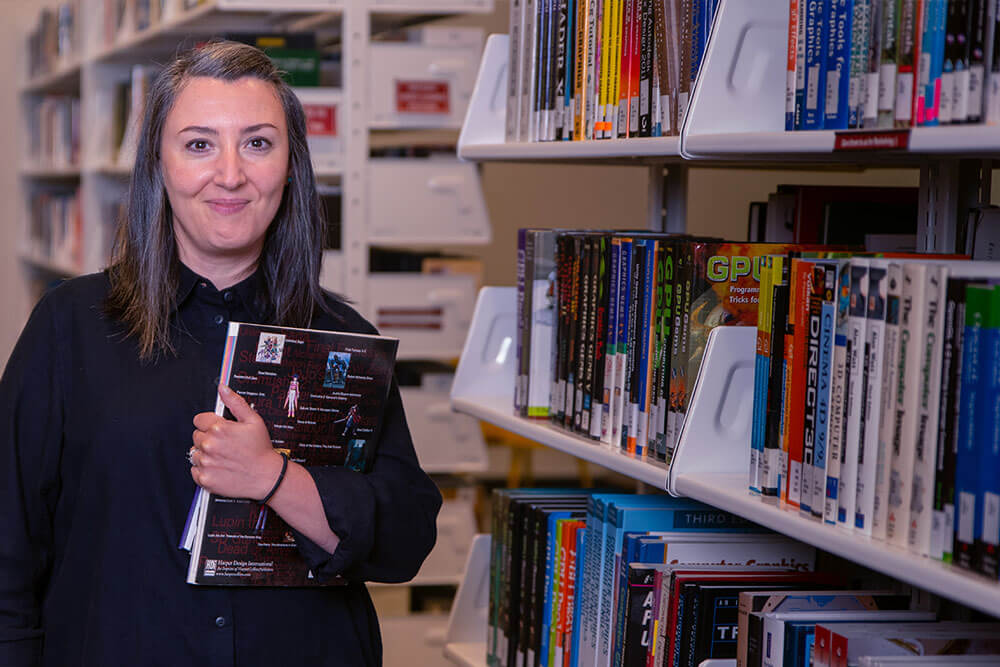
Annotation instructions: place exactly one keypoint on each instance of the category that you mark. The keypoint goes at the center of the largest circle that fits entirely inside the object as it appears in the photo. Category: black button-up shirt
(95, 488)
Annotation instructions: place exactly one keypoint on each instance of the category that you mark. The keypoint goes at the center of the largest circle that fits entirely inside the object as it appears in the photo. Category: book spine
(646, 53)
(576, 299)
(624, 298)
(590, 578)
(761, 360)
(800, 65)
(495, 548)
(889, 32)
(924, 62)
(684, 74)
(793, 35)
(573, 640)
(624, 67)
(522, 323)
(822, 450)
(664, 263)
(771, 464)
(814, 319)
(838, 393)
(545, 631)
(855, 390)
(869, 89)
(816, 32)
(598, 422)
(581, 52)
(928, 397)
(569, 94)
(635, 68)
(911, 320)
(935, 87)
(611, 343)
(860, 37)
(556, 394)
(631, 386)
(908, 53)
(606, 587)
(541, 67)
(547, 126)
(959, 46)
(529, 61)
(968, 509)
(597, 119)
(987, 543)
(943, 530)
(887, 410)
(645, 347)
(558, 102)
(515, 49)
(542, 318)
(682, 361)
(993, 81)
(590, 78)
(678, 352)
(797, 335)
(838, 64)
(864, 503)
(981, 12)
(581, 407)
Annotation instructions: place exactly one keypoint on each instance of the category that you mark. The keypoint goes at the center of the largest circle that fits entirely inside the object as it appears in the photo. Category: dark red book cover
(322, 395)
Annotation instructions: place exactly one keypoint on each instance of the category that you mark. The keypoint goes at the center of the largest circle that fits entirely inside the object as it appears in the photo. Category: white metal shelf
(466, 654)
(482, 136)
(729, 491)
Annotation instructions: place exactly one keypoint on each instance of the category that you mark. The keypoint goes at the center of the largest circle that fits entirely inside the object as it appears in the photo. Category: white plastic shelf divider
(484, 388)
(737, 109)
(482, 137)
(465, 639)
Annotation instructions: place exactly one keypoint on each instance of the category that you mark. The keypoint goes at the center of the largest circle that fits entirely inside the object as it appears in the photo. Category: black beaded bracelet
(281, 478)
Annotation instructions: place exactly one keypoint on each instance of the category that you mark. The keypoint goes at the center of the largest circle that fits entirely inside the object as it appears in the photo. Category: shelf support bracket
(667, 198)
(949, 189)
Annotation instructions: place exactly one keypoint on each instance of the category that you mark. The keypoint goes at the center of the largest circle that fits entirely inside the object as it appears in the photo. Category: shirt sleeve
(31, 422)
(385, 518)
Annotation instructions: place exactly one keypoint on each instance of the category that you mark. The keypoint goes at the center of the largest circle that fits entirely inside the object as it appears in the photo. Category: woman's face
(224, 156)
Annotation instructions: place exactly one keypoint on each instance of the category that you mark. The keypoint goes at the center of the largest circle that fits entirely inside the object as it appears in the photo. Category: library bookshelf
(743, 69)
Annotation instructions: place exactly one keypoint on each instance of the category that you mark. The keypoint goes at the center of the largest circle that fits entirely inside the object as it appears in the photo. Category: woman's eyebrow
(208, 130)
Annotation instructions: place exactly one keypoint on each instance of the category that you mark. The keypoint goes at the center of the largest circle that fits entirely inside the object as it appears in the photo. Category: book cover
(929, 394)
(321, 395)
(856, 316)
(864, 504)
(887, 410)
(911, 331)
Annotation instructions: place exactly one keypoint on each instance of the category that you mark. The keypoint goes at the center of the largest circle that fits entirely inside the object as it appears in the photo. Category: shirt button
(220, 622)
(219, 319)
(228, 296)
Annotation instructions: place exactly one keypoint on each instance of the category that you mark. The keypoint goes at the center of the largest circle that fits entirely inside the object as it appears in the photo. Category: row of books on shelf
(131, 16)
(603, 69)
(877, 399)
(612, 325)
(591, 579)
(891, 63)
(55, 38)
(54, 131)
(55, 229)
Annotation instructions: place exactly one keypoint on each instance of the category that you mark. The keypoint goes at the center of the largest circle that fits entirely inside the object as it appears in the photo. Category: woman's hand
(234, 459)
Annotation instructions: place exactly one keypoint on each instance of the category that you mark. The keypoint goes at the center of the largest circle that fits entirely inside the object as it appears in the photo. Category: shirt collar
(251, 291)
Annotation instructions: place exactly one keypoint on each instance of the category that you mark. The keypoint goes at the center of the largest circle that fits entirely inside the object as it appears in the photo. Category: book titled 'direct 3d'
(321, 395)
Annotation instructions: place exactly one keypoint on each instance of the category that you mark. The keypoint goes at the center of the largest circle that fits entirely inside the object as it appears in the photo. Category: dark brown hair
(144, 266)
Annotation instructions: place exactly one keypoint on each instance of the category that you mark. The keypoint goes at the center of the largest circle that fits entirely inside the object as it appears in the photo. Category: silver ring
(190, 457)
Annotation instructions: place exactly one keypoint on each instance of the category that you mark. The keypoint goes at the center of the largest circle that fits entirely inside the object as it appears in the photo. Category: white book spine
(529, 62)
(838, 394)
(928, 411)
(890, 372)
(513, 111)
(855, 389)
(911, 321)
(874, 360)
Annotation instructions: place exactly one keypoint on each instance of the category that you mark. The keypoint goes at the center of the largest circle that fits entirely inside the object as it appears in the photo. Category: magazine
(321, 395)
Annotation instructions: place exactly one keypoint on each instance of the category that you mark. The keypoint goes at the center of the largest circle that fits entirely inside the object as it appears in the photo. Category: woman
(97, 402)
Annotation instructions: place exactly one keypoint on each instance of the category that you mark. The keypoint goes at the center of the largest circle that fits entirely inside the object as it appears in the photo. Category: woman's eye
(259, 144)
(197, 145)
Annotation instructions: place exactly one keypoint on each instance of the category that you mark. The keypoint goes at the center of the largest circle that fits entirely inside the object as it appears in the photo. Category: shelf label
(887, 140)
(423, 97)
(321, 120)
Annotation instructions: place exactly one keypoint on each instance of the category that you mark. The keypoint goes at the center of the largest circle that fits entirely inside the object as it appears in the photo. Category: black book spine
(639, 617)
(656, 368)
(582, 325)
(572, 330)
(776, 376)
(646, 68)
(600, 334)
(633, 336)
(592, 278)
(978, 45)
(525, 571)
(561, 67)
(689, 593)
(563, 263)
(677, 362)
(812, 383)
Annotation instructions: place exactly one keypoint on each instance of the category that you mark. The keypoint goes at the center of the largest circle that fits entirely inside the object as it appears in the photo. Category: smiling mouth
(227, 206)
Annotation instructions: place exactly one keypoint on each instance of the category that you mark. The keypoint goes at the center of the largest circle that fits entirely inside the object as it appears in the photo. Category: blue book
(645, 327)
(619, 432)
(814, 87)
(968, 510)
(827, 328)
(987, 436)
(838, 64)
(582, 544)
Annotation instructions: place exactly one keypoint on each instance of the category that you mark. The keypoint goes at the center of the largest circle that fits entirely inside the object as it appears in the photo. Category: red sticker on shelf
(886, 140)
(321, 119)
(423, 97)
